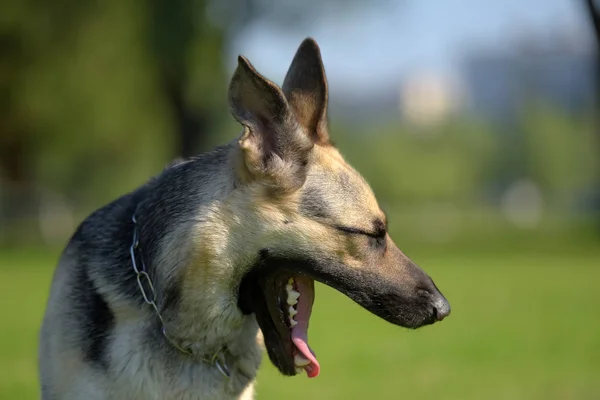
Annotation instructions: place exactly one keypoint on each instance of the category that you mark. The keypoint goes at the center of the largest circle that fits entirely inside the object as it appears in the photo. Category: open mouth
(280, 292)
(299, 297)
(282, 303)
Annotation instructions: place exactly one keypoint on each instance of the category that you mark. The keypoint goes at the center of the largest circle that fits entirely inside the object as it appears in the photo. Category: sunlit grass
(523, 326)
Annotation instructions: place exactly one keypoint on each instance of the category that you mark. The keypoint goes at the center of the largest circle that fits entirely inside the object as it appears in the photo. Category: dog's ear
(305, 87)
(275, 147)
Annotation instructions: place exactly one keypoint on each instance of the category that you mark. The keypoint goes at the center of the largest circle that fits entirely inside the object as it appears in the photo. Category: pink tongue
(306, 289)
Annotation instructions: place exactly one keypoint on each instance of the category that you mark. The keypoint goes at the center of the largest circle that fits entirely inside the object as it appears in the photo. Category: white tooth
(289, 287)
(292, 297)
(299, 370)
(292, 311)
(293, 322)
(300, 361)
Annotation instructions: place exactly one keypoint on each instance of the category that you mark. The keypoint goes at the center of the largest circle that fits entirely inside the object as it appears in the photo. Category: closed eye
(358, 231)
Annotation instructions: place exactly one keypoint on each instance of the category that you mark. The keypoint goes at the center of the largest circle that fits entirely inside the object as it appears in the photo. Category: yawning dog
(169, 291)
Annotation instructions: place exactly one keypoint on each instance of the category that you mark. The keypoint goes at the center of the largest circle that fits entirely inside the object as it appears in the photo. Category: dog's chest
(142, 371)
(147, 378)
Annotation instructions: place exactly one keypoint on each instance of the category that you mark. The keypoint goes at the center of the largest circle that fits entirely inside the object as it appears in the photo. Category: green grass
(523, 326)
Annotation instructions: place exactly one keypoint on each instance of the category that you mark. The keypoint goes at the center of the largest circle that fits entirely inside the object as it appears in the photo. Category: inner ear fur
(275, 146)
(305, 87)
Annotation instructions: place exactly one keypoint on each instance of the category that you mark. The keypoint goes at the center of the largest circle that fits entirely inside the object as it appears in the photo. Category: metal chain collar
(147, 289)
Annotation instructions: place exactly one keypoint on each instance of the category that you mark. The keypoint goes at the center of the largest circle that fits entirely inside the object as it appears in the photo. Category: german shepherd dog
(173, 290)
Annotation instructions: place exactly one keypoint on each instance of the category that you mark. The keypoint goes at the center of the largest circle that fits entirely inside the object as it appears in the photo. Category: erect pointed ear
(305, 87)
(275, 147)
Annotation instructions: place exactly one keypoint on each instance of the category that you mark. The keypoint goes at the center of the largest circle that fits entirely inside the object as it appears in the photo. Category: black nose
(441, 307)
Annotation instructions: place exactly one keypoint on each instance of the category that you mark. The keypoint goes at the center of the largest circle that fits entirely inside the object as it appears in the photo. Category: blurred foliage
(428, 164)
(98, 96)
(562, 151)
(93, 90)
(458, 160)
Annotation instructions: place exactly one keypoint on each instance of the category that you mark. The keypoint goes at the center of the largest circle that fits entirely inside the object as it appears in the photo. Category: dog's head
(304, 214)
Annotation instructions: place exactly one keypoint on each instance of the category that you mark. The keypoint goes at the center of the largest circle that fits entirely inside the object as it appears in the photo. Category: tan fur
(255, 199)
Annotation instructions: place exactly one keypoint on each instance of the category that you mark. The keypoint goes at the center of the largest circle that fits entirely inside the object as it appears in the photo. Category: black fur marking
(172, 296)
(313, 204)
(105, 237)
(379, 227)
(263, 253)
(94, 315)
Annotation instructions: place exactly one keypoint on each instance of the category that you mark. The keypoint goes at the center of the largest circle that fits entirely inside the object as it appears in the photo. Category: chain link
(149, 294)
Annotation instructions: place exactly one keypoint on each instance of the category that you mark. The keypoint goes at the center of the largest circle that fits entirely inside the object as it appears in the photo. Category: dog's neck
(201, 332)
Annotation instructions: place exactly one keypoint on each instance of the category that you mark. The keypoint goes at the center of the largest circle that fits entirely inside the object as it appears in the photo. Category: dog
(174, 290)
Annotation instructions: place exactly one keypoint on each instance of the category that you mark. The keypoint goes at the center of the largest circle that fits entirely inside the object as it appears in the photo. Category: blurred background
(476, 124)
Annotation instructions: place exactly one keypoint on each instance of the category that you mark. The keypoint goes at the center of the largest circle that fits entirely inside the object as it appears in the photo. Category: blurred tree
(26, 38)
(91, 91)
(178, 29)
(591, 8)
(24, 34)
